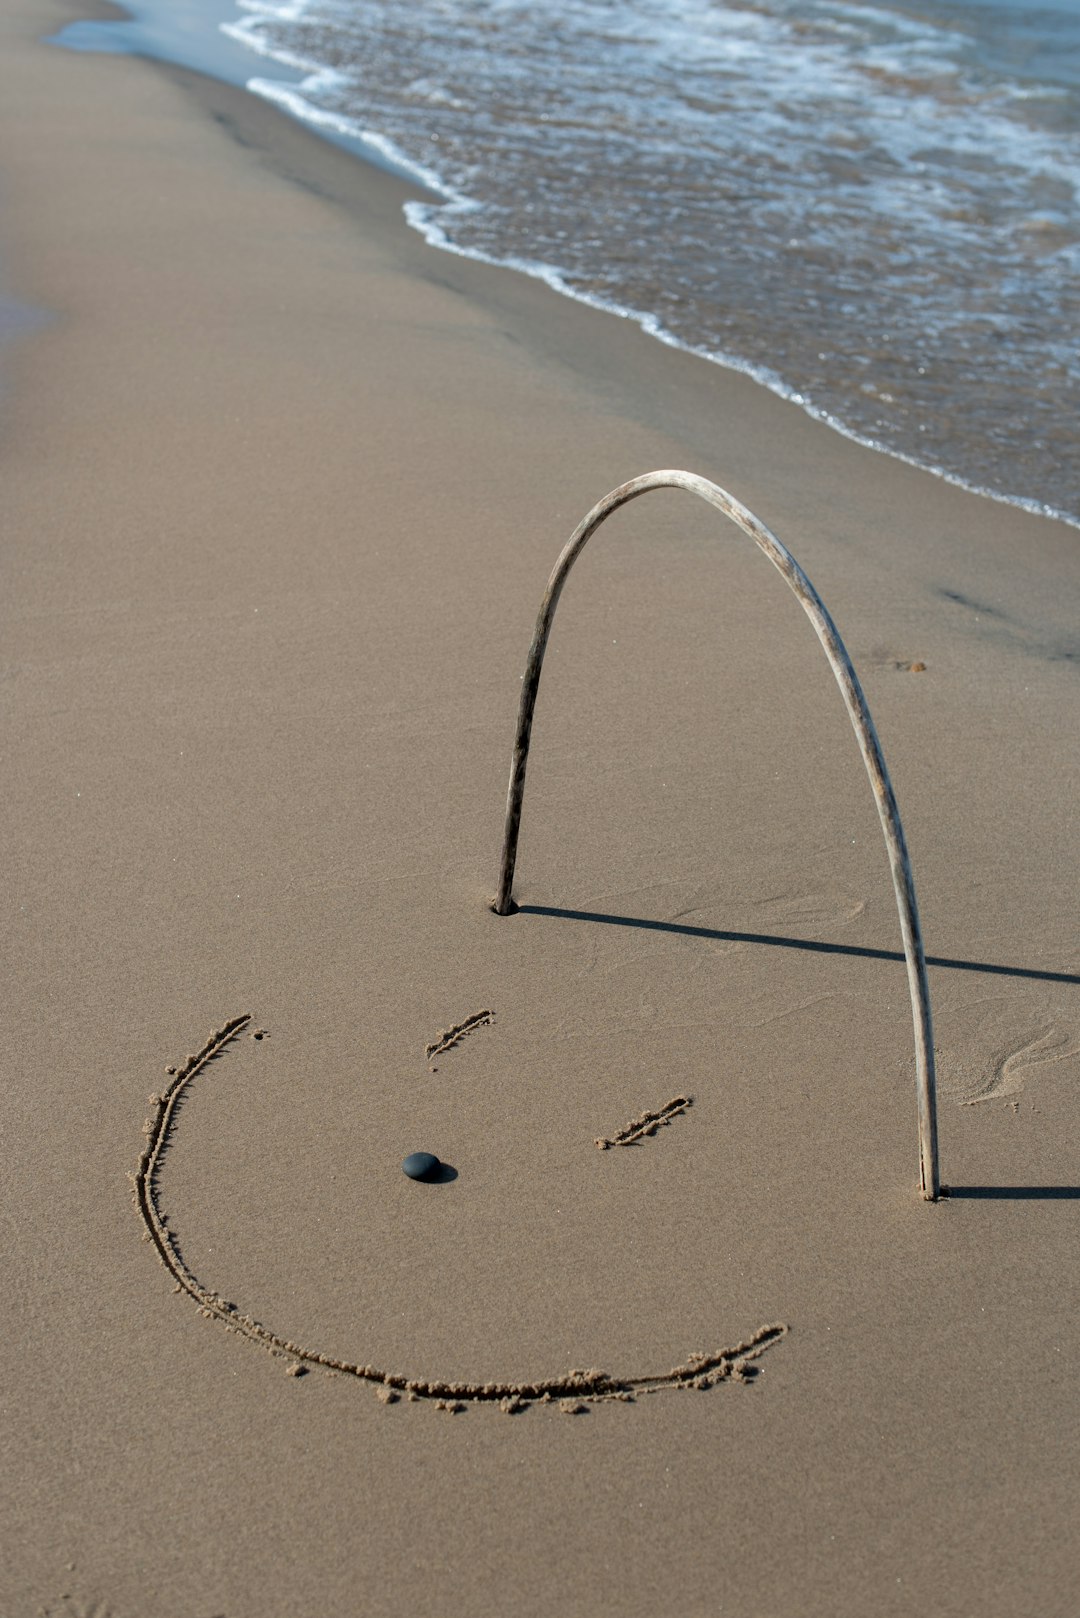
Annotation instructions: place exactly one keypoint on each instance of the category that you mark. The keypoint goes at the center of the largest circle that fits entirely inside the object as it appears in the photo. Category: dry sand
(282, 487)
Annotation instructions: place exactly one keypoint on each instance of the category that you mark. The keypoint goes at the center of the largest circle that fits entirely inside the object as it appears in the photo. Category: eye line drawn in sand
(573, 1392)
(646, 1123)
(447, 1038)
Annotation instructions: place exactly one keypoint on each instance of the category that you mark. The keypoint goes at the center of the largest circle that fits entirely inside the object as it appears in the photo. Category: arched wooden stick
(869, 746)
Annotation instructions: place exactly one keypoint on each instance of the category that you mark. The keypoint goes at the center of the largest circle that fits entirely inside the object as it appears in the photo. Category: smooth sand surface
(281, 490)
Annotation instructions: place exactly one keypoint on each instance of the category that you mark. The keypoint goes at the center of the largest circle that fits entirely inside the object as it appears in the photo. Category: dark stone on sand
(421, 1165)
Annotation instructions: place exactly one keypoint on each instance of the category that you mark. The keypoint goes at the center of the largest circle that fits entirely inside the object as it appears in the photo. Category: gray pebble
(421, 1165)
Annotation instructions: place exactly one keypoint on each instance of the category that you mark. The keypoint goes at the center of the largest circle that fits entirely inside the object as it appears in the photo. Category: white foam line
(294, 100)
(421, 216)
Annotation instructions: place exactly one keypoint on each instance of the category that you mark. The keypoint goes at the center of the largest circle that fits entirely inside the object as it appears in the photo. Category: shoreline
(282, 489)
(287, 141)
(378, 151)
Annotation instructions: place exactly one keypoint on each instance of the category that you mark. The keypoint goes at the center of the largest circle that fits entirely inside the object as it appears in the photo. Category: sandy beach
(282, 490)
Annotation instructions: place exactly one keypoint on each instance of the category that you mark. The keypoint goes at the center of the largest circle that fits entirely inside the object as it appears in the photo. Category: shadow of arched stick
(863, 725)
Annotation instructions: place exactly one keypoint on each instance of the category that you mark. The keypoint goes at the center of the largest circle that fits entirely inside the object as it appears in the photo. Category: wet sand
(282, 488)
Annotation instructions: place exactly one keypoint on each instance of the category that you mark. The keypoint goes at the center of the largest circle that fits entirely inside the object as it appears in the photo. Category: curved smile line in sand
(573, 1391)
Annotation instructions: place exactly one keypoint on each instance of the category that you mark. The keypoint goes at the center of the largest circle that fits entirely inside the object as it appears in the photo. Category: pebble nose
(421, 1165)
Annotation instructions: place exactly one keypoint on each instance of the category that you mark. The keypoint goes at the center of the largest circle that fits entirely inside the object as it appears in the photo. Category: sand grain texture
(281, 490)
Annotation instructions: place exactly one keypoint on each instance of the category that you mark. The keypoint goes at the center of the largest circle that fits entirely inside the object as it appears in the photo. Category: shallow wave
(847, 203)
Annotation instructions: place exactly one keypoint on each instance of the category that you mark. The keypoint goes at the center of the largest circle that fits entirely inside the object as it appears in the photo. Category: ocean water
(873, 208)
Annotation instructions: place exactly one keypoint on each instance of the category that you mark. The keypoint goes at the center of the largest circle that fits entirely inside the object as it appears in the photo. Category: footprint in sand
(572, 1391)
(987, 1049)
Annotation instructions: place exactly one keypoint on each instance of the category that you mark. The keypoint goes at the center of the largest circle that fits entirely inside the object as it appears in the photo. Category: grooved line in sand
(1047, 1044)
(574, 1390)
(646, 1123)
(447, 1038)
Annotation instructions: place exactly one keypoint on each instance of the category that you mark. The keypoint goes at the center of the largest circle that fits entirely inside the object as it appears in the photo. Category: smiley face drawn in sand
(573, 1391)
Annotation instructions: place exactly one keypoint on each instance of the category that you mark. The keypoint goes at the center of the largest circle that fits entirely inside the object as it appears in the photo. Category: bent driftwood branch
(863, 725)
